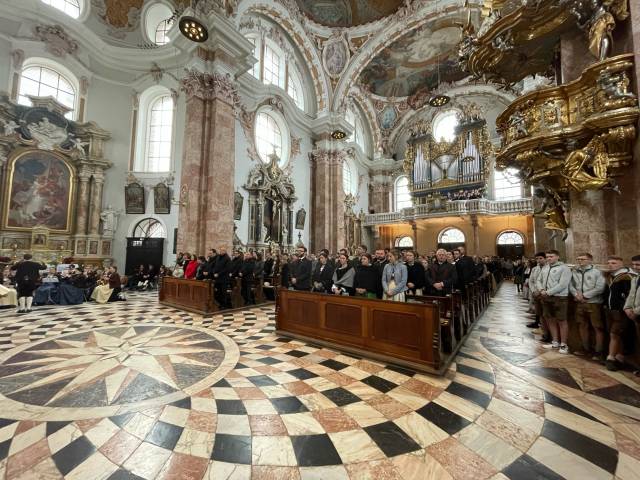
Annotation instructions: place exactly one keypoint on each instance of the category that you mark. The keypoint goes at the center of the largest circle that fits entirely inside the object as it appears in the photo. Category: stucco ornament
(56, 40)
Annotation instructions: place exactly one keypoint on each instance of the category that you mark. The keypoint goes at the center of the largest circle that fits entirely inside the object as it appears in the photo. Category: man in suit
(465, 268)
(27, 276)
(302, 272)
(221, 270)
(441, 276)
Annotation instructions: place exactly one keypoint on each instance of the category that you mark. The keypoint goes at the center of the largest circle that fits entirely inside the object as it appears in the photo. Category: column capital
(323, 156)
(209, 86)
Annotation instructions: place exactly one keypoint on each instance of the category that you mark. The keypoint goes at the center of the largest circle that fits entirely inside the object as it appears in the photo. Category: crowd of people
(605, 305)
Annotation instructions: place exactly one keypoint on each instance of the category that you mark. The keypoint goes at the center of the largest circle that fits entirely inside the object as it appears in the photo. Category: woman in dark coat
(367, 281)
(322, 277)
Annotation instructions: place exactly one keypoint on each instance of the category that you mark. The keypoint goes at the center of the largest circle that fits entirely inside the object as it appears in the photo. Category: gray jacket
(589, 282)
(555, 279)
(633, 300)
(396, 272)
(533, 278)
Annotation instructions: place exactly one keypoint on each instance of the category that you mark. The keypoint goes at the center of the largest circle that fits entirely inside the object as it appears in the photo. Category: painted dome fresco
(347, 13)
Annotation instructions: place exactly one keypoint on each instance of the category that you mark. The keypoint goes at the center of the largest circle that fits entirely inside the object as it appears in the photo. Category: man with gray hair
(441, 276)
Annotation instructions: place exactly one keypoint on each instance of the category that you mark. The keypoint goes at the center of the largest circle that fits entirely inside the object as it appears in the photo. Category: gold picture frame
(39, 238)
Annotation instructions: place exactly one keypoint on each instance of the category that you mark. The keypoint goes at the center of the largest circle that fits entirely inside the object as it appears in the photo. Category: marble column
(82, 212)
(380, 194)
(96, 203)
(414, 232)
(476, 235)
(208, 162)
(327, 212)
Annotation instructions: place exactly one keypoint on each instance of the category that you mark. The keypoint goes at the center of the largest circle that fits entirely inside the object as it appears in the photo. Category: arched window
(149, 228)
(402, 193)
(444, 126)
(294, 88)
(158, 21)
(404, 242)
(159, 135)
(507, 184)
(357, 137)
(349, 179)
(272, 136)
(70, 7)
(451, 235)
(272, 67)
(42, 81)
(510, 238)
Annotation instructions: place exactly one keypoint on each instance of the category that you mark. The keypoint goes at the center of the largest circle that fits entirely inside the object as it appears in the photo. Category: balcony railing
(521, 206)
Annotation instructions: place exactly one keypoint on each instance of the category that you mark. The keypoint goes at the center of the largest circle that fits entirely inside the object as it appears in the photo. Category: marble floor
(134, 390)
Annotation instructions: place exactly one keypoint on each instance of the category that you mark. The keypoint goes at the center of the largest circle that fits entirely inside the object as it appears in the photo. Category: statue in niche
(552, 211)
(109, 218)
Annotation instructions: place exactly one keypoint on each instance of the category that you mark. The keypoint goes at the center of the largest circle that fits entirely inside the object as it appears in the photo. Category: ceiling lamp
(338, 135)
(194, 30)
(439, 100)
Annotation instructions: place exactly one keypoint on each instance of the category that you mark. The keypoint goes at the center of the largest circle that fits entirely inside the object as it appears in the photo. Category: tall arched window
(294, 88)
(273, 64)
(158, 20)
(159, 135)
(404, 242)
(272, 135)
(43, 80)
(357, 137)
(507, 184)
(149, 228)
(510, 238)
(70, 7)
(451, 235)
(444, 126)
(349, 181)
(402, 194)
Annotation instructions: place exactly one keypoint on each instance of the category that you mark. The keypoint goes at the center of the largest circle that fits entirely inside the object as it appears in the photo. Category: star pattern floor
(135, 390)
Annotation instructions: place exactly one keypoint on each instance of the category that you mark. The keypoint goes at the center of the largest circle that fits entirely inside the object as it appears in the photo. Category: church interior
(319, 239)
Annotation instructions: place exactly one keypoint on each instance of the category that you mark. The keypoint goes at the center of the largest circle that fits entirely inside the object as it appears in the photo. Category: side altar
(52, 172)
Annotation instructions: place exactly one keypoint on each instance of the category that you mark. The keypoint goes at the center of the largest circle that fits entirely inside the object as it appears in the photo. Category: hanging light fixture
(439, 100)
(192, 28)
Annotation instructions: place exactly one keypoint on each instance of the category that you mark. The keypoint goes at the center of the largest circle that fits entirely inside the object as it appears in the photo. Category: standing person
(587, 288)
(380, 261)
(367, 281)
(236, 264)
(394, 279)
(191, 270)
(553, 285)
(285, 270)
(415, 274)
(518, 275)
(302, 278)
(221, 271)
(529, 264)
(258, 269)
(441, 276)
(268, 265)
(322, 275)
(247, 269)
(27, 275)
(450, 258)
(536, 301)
(343, 277)
(465, 267)
(632, 305)
(619, 287)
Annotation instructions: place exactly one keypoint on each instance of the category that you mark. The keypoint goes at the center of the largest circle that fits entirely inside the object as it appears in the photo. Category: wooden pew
(397, 332)
(193, 295)
(258, 290)
(448, 319)
(235, 292)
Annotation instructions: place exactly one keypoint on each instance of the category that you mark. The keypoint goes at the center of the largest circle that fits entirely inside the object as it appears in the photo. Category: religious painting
(134, 198)
(81, 247)
(347, 13)
(17, 243)
(93, 247)
(161, 199)
(106, 248)
(412, 62)
(301, 216)
(39, 238)
(388, 117)
(335, 57)
(40, 191)
(238, 201)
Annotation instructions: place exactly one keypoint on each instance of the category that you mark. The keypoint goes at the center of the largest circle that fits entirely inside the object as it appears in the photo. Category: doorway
(146, 246)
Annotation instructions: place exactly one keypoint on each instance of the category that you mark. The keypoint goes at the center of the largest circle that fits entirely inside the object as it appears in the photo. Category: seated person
(109, 287)
(72, 288)
(322, 277)
(47, 293)
(8, 293)
(343, 277)
(148, 279)
(367, 281)
(136, 277)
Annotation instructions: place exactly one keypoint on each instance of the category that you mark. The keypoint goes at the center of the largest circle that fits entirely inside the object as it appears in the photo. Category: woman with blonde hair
(394, 279)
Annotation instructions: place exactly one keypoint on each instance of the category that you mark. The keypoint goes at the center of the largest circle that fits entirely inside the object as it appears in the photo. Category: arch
(272, 134)
(451, 235)
(404, 242)
(443, 125)
(401, 193)
(510, 237)
(43, 77)
(349, 178)
(73, 8)
(157, 21)
(149, 227)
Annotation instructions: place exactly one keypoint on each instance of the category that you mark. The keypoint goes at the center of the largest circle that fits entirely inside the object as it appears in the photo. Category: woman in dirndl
(394, 279)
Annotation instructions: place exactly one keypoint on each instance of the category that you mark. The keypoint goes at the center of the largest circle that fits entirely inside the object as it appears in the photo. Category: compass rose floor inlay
(135, 390)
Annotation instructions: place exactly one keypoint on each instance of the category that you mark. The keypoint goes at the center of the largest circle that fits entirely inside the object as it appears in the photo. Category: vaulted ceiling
(347, 13)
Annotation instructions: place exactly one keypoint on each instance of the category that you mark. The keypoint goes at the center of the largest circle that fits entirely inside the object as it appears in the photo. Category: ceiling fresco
(347, 13)
(124, 13)
(411, 63)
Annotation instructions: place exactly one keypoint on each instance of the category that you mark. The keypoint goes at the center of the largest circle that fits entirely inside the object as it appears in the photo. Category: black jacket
(302, 274)
(222, 267)
(368, 278)
(27, 272)
(466, 270)
(235, 266)
(285, 275)
(247, 270)
(618, 288)
(268, 267)
(415, 275)
(441, 272)
(323, 276)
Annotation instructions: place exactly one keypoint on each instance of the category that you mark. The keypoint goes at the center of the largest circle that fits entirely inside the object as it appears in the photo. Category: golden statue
(552, 211)
(603, 21)
(586, 168)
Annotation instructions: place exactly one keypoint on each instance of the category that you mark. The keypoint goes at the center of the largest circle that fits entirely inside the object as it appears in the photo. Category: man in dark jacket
(246, 273)
(380, 261)
(618, 288)
(415, 274)
(220, 272)
(441, 277)
(301, 275)
(465, 268)
(27, 276)
(236, 264)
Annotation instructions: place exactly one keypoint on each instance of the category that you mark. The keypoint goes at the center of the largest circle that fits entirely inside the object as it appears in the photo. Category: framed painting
(93, 247)
(106, 248)
(134, 198)
(39, 192)
(39, 238)
(161, 199)
(81, 247)
(301, 217)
